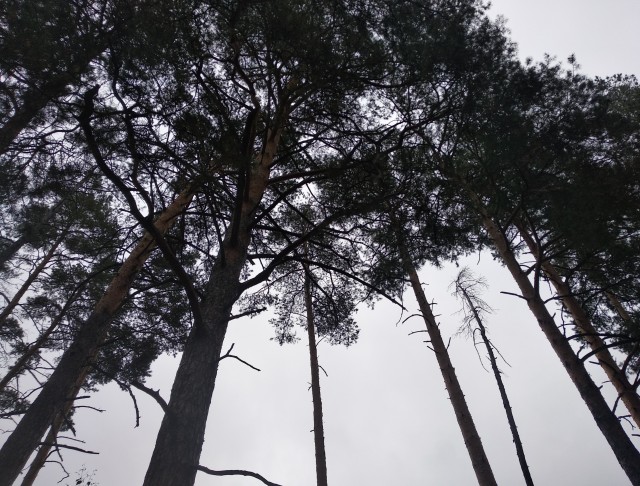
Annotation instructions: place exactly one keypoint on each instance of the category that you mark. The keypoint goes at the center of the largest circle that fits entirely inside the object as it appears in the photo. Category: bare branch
(63, 446)
(236, 472)
(229, 355)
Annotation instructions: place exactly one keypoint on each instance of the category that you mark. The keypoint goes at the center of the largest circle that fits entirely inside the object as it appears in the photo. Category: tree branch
(236, 472)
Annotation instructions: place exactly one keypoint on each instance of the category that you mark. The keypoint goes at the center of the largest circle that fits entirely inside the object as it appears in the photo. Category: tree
(61, 388)
(487, 157)
(479, 460)
(322, 301)
(467, 288)
(312, 89)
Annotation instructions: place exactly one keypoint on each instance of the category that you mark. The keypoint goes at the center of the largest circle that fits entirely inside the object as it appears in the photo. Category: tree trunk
(9, 252)
(479, 460)
(34, 101)
(503, 392)
(617, 305)
(618, 440)
(179, 442)
(36, 98)
(318, 426)
(626, 391)
(66, 380)
(13, 303)
(44, 450)
(22, 361)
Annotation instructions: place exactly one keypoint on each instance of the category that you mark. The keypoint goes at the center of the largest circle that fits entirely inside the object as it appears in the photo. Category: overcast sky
(387, 416)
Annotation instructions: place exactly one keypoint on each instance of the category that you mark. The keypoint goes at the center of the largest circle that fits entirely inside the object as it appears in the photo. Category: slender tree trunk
(179, 442)
(503, 392)
(479, 460)
(617, 305)
(9, 252)
(66, 380)
(619, 380)
(318, 426)
(6, 312)
(36, 98)
(618, 440)
(34, 101)
(22, 361)
(43, 452)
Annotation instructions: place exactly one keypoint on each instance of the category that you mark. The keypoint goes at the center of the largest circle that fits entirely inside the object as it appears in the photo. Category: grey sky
(387, 417)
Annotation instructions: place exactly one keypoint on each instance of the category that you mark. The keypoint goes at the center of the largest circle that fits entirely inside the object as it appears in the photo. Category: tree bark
(179, 442)
(503, 392)
(318, 426)
(624, 450)
(64, 383)
(479, 460)
(626, 391)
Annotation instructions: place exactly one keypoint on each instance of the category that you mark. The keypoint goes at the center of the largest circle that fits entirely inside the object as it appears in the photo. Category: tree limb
(236, 472)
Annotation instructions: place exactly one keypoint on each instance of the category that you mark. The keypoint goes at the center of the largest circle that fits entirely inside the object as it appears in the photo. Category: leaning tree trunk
(9, 252)
(13, 303)
(318, 425)
(503, 392)
(23, 360)
(479, 460)
(626, 391)
(45, 449)
(618, 440)
(37, 98)
(64, 383)
(179, 442)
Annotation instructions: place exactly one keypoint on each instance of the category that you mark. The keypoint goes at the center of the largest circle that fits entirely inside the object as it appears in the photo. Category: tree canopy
(171, 166)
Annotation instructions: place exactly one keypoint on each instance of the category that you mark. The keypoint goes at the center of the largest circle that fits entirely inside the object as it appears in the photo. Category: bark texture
(318, 425)
(64, 383)
(626, 391)
(479, 459)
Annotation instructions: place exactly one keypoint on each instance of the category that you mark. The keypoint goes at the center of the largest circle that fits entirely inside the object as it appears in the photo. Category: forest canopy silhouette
(170, 166)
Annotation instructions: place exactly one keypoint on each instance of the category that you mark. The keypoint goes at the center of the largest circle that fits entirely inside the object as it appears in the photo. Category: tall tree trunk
(36, 98)
(503, 392)
(179, 442)
(620, 309)
(10, 250)
(22, 361)
(618, 440)
(318, 426)
(479, 460)
(13, 303)
(626, 391)
(66, 380)
(43, 452)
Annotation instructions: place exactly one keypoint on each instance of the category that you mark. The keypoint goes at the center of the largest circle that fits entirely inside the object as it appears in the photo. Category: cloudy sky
(387, 416)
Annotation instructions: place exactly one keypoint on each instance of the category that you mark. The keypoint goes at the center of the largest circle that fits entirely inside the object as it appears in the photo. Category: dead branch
(63, 446)
(229, 355)
(236, 472)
